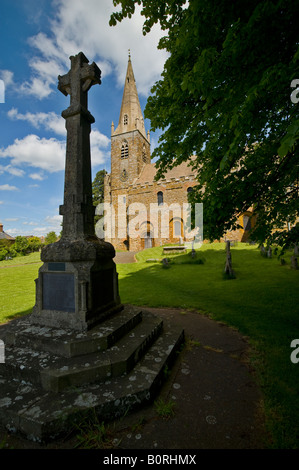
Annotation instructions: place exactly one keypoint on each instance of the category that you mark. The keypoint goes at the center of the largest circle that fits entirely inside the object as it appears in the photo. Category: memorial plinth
(77, 285)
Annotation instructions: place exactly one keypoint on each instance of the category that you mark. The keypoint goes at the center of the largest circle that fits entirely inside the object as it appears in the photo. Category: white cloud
(36, 176)
(54, 219)
(50, 121)
(8, 187)
(98, 141)
(84, 26)
(7, 77)
(47, 154)
(30, 223)
(53, 223)
(12, 170)
(1, 202)
(38, 88)
(11, 219)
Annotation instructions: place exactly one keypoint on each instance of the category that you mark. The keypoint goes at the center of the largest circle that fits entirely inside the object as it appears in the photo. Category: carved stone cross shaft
(78, 210)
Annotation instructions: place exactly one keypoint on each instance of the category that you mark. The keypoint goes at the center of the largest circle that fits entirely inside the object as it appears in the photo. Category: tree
(51, 237)
(34, 244)
(224, 96)
(98, 190)
(21, 245)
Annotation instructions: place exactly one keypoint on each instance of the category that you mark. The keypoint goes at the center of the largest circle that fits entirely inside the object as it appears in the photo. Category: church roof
(149, 171)
(130, 117)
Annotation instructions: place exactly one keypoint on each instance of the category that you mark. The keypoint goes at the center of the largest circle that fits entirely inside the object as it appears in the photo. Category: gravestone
(77, 285)
(294, 262)
(263, 250)
(228, 269)
(269, 252)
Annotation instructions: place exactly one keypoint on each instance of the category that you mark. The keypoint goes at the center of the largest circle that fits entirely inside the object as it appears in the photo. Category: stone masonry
(132, 180)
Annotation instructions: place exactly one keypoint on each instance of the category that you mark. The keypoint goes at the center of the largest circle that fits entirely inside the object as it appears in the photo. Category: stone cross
(78, 210)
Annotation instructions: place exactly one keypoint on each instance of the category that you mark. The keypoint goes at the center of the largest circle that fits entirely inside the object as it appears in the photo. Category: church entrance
(147, 240)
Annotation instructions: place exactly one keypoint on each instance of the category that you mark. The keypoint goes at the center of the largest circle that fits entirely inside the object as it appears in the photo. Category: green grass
(17, 287)
(262, 303)
(28, 259)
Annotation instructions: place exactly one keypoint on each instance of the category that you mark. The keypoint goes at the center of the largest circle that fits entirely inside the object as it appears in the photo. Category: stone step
(66, 343)
(56, 373)
(43, 416)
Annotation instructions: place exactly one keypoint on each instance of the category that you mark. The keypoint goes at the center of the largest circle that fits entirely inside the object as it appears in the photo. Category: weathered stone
(43, 392)
(269, 252)
(174, 249)
(263, 250)
(228, 270)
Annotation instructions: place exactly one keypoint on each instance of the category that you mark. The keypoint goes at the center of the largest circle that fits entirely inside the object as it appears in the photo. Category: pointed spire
(130, 117)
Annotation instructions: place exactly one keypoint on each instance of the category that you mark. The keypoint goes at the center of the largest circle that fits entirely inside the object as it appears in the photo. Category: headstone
(262, 250)
(294, 262)
(77, 284)
(269, 252)
(228, 270)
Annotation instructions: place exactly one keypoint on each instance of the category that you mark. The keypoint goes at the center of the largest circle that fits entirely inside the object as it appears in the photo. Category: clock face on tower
(124, 175)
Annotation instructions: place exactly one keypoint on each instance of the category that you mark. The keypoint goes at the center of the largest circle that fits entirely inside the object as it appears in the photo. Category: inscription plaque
(59, 292)
(56, 266)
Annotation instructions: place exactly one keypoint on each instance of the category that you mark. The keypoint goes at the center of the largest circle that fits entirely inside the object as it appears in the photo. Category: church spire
(130, 117)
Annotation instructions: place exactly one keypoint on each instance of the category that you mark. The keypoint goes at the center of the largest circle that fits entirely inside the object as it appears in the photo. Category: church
(131, 187)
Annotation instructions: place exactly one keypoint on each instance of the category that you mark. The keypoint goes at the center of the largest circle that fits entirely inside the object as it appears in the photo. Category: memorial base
(77, 285)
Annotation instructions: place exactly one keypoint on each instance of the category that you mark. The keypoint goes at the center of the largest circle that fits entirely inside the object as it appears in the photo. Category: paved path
(125, 257)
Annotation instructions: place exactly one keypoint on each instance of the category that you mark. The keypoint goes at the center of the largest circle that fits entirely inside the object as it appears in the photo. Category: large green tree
(225, 96)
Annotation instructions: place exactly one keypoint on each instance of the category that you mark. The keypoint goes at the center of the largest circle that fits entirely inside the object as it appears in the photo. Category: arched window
(160, 198)
(124, 150)
(189, 190)
(125, 119)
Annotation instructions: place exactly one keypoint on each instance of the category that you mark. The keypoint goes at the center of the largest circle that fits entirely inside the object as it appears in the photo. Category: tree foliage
(34, 244)
(21, 245)
(224, 96)
(98, 191)
(51, 237)
(98, 187)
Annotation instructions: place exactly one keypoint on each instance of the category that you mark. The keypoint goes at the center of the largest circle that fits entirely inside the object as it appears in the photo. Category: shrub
(3, 254)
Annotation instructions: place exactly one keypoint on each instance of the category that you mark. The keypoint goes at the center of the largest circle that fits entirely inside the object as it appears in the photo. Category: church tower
(130, 145)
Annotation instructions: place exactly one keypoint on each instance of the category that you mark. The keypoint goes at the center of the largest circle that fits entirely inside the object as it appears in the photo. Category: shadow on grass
(15, 316)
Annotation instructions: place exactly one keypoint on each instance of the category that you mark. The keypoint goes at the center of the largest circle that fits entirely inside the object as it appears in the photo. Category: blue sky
(37, 39)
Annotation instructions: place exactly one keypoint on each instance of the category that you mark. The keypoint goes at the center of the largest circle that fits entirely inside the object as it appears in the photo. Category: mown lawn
(262, 303)
(17, 287)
